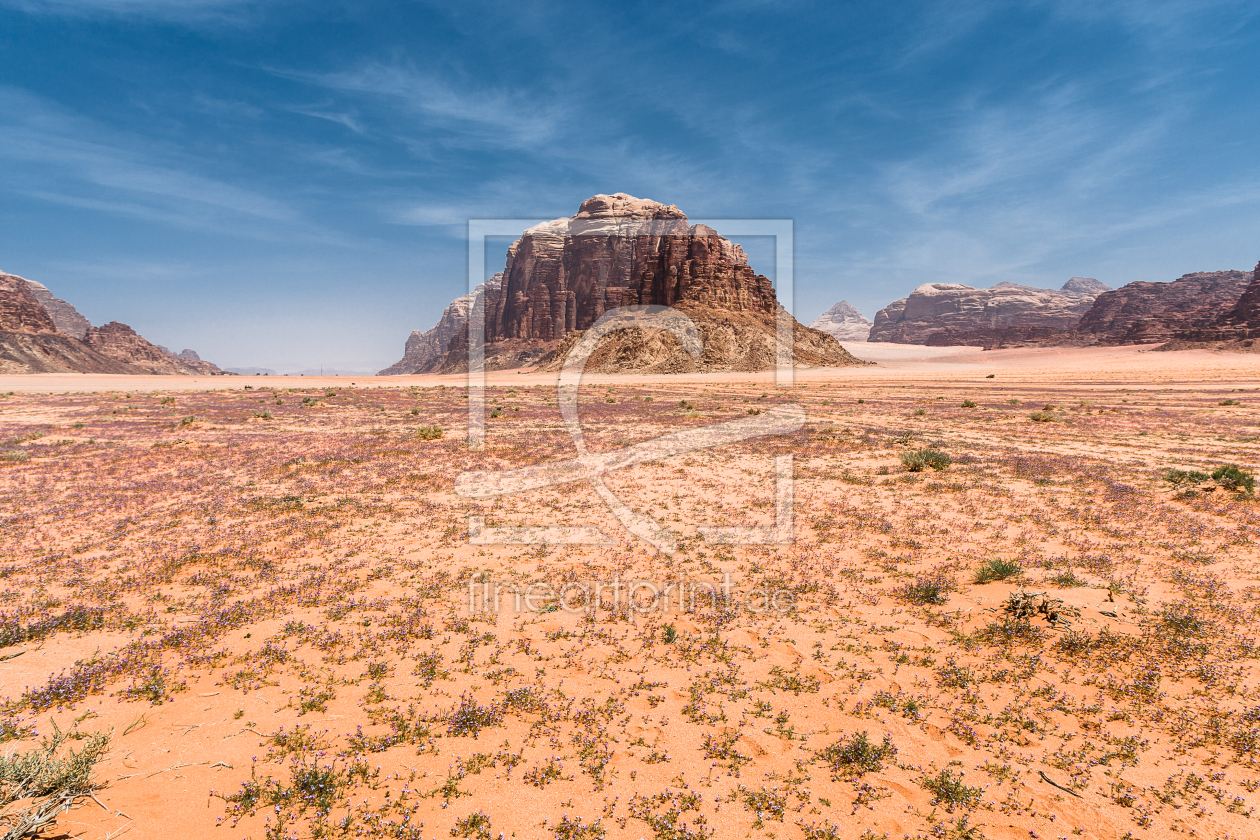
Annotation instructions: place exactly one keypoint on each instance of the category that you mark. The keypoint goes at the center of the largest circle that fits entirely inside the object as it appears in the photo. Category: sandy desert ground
(258, 588)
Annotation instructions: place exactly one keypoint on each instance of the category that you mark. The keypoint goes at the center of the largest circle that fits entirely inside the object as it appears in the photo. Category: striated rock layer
(952, 313)
(561, 276)
(1149, 313)
(20, 312)
(843, 322)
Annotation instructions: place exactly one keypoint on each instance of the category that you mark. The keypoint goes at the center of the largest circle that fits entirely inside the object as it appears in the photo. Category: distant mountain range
(1216, 308)
(41, 333)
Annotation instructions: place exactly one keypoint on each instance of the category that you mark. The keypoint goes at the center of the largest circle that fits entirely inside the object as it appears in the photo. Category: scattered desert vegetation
(1045, 632)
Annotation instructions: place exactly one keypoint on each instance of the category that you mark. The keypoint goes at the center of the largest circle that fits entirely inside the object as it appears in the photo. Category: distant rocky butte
(40, 333)
(843, 322)
(424, 350)
(561, 276)
(951, 313)
(1149, 313)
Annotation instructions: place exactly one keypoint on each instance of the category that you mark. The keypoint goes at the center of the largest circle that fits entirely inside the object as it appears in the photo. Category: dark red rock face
(1246, 312)
(564, 275)
(1145, 313)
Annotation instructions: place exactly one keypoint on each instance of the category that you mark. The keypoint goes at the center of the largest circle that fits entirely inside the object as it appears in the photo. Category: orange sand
(263, 595)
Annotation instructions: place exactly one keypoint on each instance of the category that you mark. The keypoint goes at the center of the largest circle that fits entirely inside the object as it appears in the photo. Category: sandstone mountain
(40, 333)
(1149, 313)
(843, 322)
(561, 276)
(20, 312)
(952, 313)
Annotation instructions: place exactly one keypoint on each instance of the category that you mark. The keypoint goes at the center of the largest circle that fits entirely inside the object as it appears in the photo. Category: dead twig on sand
(148, 775)
(1051, 781)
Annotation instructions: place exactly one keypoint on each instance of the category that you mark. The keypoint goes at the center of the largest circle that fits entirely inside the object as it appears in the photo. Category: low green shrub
(927, 589)
(998, 569)
(1233, 478)
(855, 755)
(1181, 479)
(950, 791)
(921, 459)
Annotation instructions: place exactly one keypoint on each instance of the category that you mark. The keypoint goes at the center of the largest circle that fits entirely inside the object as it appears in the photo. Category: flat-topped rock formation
(41, 333)
(952, 313)
(843, 322)
(561, 276)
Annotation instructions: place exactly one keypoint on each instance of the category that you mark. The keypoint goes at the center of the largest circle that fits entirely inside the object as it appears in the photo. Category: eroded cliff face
(1245, 314)
(20, 312)
(953, 313)
(618, 250)
(1237, 328)
(68, 320)
(30, 342)
(1148, 313)
(425, 351)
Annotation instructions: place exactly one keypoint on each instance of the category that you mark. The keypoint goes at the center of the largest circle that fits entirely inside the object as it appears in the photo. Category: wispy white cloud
(51, 154)
(170, 10)
(478, 115)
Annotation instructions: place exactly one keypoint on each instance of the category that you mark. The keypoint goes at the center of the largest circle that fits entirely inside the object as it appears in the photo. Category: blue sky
(285, 184)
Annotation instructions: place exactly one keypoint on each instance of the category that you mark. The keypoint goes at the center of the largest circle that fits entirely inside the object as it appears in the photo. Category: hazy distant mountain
(843, 322)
